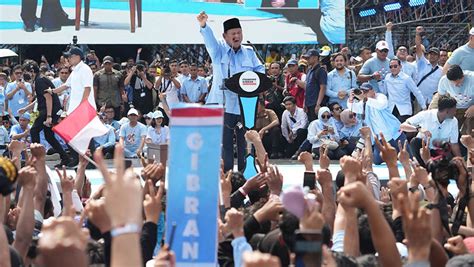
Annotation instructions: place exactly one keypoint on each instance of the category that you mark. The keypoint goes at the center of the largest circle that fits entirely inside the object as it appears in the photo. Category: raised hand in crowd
(258, 259)
(152, 203)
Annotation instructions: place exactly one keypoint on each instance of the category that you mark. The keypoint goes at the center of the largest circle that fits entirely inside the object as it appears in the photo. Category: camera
(442, 167)
(166, 67)
(140, 67)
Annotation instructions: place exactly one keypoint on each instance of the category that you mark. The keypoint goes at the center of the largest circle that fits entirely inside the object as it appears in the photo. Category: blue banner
(193, 185)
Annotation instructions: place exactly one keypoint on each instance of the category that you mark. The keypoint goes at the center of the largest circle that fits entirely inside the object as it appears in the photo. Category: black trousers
(271, 140)
(301, 135)
(38, 126)
(52, 13)
(311, 113)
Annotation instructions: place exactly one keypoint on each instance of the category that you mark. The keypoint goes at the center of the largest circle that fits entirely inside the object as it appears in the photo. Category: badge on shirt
(142, 94)
(21, 101)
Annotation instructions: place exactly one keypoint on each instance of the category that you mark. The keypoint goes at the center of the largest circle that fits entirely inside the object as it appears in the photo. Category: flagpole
(84, 155)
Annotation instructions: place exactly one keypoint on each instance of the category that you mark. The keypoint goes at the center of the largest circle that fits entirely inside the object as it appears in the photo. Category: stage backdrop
(170, 21)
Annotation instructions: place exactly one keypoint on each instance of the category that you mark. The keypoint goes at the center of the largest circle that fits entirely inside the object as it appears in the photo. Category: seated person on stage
(132, 135)
(378, 117)
(350, 133)
(21, 131)
(336, 110)
(106, 141)
(323, 132)
(157, 134)
(267, 127)
(436, 125)
(294, 123)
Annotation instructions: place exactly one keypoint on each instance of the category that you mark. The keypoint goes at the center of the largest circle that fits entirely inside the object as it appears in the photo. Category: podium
(157, 153)
(248, 85)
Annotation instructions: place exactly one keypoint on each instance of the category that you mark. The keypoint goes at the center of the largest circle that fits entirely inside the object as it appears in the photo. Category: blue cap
(292, 62)
(74, 51)
(25, 116)
(366, 86)
(312, 53)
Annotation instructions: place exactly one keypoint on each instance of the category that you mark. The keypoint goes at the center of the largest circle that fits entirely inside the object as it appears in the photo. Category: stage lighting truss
(415, 3)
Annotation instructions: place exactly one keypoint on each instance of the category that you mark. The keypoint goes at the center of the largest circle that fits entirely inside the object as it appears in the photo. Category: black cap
(433, 50)
(74, 51)
(312, 53)
(232, 24)
(108, 59)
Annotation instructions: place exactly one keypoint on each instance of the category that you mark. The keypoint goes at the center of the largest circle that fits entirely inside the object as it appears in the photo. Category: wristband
(413, 189)
(241, 190)
(48, 116)
(129, 228)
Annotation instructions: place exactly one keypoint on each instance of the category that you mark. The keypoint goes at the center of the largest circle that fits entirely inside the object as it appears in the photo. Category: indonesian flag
(79, 127)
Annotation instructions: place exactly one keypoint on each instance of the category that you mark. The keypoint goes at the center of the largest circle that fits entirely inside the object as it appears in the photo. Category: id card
(142, 94)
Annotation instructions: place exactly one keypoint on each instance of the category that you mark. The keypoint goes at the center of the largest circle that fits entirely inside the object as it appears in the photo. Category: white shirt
(398, 90)
(428, 86)
(81, 77)
(172, 92)
(445, 131)
(301, 121)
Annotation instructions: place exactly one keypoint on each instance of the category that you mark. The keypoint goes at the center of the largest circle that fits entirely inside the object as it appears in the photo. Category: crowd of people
(410, 106)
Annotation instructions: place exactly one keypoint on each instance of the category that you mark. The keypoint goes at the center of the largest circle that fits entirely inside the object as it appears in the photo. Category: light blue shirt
(106, 140)
(464, 57)
(347, 132)
(19, 100)
(2, 99)
(226, 61)
(116, 125)
(428, 86)
(376, 65)
(337, 83)
(240, 246)
(132, 135)
(407, 67)
(398, 89)
(4, 138)
(158, 138)
(463, 94)
(16, 129)
(194, 88)
(378, 117)
(333, 21)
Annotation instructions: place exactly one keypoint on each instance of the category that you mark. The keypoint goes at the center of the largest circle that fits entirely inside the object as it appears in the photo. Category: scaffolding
(446, 21)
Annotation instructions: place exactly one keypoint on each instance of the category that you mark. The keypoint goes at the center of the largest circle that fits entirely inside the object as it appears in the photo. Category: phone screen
(309, 180)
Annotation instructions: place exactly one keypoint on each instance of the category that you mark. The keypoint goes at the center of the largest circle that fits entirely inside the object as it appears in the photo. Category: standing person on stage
(80, 80)
(233, 58)
(48, 107)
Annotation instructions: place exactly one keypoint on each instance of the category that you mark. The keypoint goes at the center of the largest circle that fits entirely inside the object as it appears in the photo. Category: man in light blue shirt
(229, 57)
(106, 141)
(429, 72)
(377, 117)
(460, 85)
(463, 56)
(376, 68)
(17, 92)
(402, 54)
(397, 87)
(132, 135)
(193, 88)
(340, 81)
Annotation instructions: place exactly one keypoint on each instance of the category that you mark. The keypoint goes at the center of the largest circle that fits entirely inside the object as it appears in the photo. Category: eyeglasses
(384, 50)
(325, 116)
(393, 66)
(5, 122)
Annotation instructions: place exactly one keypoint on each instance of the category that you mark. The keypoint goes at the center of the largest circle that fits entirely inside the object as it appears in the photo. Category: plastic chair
(134, 5)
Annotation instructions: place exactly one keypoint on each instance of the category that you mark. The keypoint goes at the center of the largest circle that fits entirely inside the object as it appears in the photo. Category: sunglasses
(384, 50)
(393, 66)
(351, 115)
(325, 116)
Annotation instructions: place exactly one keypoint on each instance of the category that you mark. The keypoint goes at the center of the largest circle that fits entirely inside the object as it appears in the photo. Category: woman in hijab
(323, 132)
(350, 132)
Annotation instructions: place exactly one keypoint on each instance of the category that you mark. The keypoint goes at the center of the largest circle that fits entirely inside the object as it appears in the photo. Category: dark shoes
(295, 156)
(69, 163)
(52, 29)
(29, 28)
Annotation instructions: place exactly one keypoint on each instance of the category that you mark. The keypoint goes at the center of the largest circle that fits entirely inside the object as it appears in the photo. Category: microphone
(256, 52)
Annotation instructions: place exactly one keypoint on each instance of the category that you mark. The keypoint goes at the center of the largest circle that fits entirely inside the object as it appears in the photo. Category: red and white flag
(79, 127)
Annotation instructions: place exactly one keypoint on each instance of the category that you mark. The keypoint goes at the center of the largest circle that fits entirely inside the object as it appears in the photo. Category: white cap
(132, 111)
(471, 32)
(157, 114)
(381, 45)
(124, 120)
(149, 115)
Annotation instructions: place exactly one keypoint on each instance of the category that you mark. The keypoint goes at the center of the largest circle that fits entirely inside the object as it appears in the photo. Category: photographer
(378, 118)
(17, 91)
(168, 82)
(439, 125)
(274, 95)
(140, 81)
